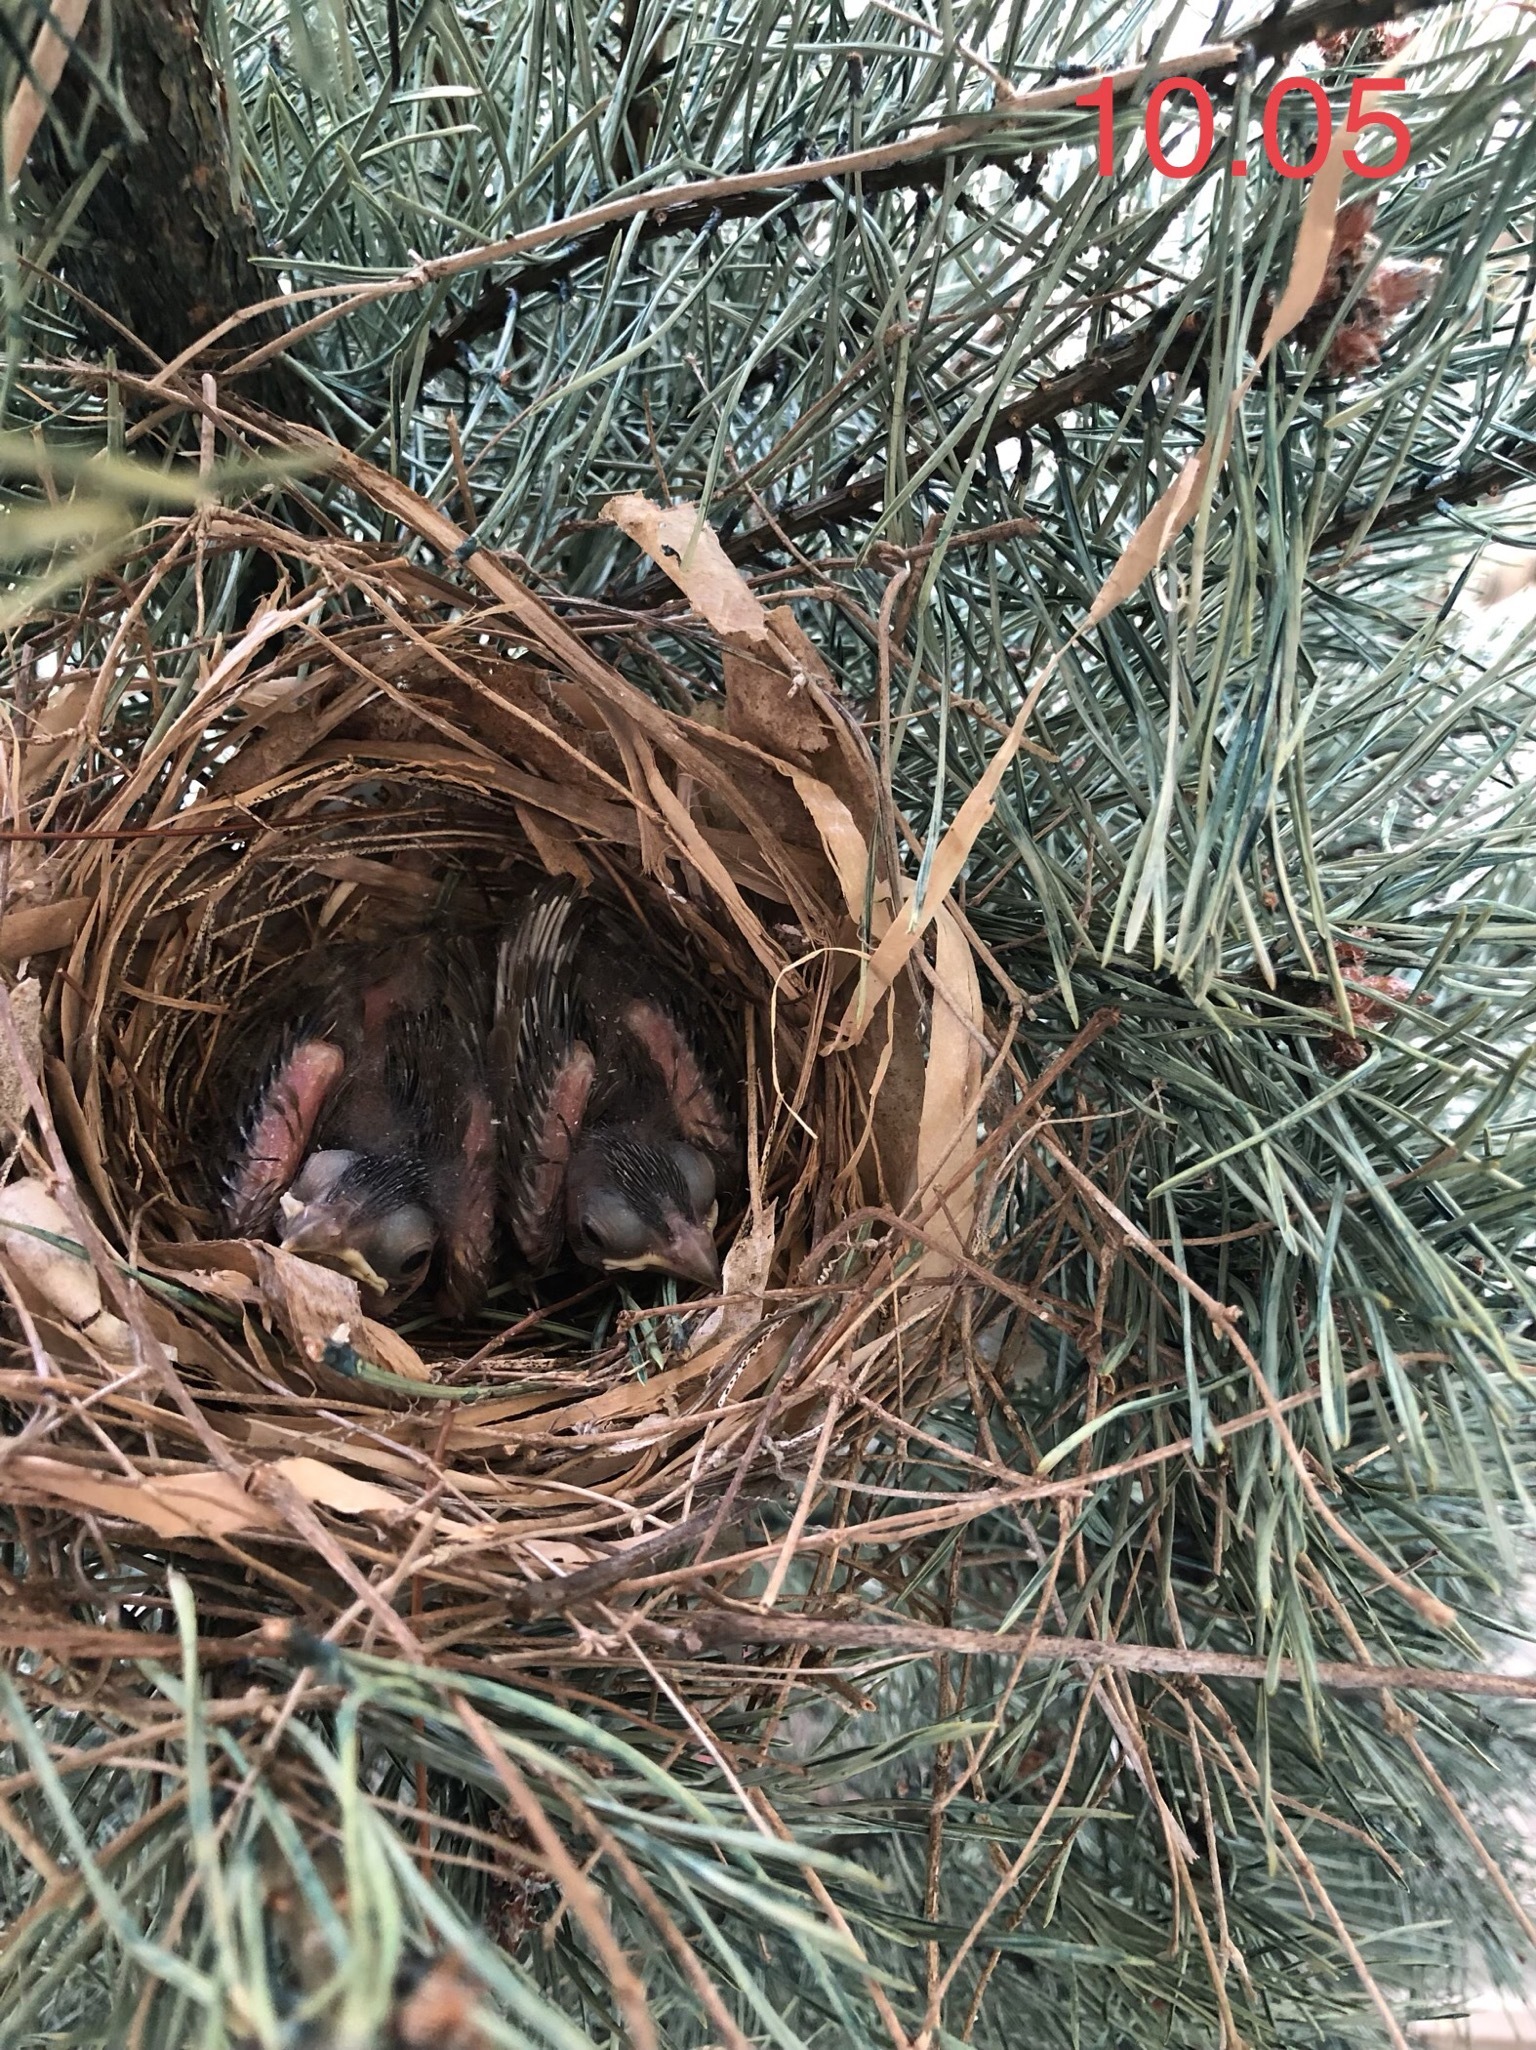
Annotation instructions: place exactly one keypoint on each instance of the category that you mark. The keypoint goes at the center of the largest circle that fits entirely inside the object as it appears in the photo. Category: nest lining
(366, 773)
(358, 841)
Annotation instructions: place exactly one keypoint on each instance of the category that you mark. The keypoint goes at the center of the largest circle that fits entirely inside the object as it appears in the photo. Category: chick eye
(614, 1229)
(413, 1266)
(698, 1175)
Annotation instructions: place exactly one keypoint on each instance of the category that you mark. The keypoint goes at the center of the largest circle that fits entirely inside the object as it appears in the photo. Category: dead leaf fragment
(67, 1283)
(559, 1556)
(26, 1010)
(386, 1348)
(845, 847)
(313, 1303)
(765, 707)
(203, 1504)
(743, 1279)
(308, 1300)
(683, 545)
(947, 1136)
(329, 1488)
(42, 928)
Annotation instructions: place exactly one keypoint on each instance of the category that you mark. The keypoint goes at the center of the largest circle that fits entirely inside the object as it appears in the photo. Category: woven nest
(380, 750)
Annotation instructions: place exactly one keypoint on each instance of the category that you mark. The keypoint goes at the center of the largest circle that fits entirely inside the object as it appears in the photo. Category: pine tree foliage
(1263, 867)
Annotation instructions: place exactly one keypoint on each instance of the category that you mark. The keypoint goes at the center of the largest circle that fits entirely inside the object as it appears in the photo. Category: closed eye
(616, 1231)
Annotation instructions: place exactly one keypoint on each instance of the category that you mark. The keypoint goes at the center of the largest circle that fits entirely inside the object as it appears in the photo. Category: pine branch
(486, 314)
(1278, 35)
(1119, 366)
(1503, 463)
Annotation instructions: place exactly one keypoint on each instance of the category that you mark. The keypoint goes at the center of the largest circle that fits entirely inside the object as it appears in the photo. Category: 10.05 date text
(1359, 118)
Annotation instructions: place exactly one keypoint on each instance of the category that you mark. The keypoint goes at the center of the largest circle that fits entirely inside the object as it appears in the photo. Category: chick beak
(690, 1254)
(316, 1232)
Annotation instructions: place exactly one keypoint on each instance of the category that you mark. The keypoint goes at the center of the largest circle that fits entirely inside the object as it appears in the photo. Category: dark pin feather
(617, 1132)
(377, 1116)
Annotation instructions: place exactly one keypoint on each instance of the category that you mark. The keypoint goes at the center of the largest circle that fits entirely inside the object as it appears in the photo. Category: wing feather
(700, 1116)
(279, 1132)
(544, 1070)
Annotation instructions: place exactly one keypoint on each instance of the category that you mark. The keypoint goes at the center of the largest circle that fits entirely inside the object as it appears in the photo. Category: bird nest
(378, 749)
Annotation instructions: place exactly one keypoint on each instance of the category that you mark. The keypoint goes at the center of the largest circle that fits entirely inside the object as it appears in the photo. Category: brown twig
(722, 1629)
(1281, 32)
(984, 132)
(1111, 369)
(1505, 462)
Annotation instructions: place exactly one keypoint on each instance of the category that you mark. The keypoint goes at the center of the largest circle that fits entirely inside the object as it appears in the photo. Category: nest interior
(373, 755)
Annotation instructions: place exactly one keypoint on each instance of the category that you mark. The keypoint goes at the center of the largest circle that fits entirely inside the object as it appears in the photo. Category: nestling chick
(618, 1137)
(370, 1145)
(365, 1213)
